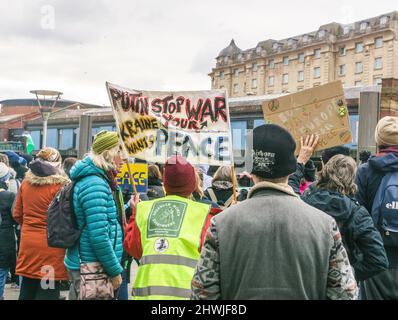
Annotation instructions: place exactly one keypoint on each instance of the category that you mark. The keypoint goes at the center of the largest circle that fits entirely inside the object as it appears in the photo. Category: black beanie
(272, 152)
(331, 152)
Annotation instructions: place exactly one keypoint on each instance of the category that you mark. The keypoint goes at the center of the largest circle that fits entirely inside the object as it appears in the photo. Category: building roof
(4, 119)
(33, 102)
(229, 51)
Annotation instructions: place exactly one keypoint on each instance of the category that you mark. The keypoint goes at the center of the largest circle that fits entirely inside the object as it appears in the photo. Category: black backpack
(62, 229)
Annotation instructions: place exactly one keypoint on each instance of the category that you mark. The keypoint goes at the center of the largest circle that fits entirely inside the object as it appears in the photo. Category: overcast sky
(75, 46)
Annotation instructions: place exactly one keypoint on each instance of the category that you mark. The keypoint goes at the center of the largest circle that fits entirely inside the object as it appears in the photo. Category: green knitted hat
(104, 140)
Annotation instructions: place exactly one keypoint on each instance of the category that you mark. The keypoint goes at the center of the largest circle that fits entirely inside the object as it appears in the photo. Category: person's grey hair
(339, 175)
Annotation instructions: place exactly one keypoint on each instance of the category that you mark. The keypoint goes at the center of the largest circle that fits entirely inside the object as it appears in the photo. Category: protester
(364, 156)
(302, 168)
(155, 185)
(221, 190)
(166, 235)
(13, 183)
(206, 179)
(18, 164)
(35, 259)
(369, 179)
(333, 194)
(99, 209)
(199, 195)
(68, 164)
(8, 252)
(309, 176)
(273, 245)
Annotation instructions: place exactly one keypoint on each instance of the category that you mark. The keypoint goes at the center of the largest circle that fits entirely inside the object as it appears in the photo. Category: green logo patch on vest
(165, 218)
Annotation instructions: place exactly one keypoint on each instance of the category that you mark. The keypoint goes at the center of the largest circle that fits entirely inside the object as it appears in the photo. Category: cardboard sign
(154, 125)
(321, 110)
(140, 176)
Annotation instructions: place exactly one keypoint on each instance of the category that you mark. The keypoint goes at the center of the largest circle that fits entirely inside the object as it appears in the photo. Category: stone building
(358, 54)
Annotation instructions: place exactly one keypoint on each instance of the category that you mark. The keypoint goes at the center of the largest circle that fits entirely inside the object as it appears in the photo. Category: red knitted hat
(179, 177)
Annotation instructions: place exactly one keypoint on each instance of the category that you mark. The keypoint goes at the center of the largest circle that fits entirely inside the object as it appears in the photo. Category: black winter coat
(369, 176)
(8, 251)
(360, 237)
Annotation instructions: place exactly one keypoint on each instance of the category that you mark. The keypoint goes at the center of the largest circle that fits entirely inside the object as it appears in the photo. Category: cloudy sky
(75, 46)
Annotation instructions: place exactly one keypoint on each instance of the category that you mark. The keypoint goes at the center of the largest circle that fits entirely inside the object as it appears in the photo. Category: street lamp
(45, 110)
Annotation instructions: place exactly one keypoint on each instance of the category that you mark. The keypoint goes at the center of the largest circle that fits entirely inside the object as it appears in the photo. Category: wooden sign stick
(131, 177)
(235, 201)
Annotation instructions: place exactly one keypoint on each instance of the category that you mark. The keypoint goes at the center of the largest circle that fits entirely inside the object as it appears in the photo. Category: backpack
(62, 229)
(213, 198)
(385, 209)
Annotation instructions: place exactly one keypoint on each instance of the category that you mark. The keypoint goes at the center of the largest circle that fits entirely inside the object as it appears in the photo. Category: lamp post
(45, 110)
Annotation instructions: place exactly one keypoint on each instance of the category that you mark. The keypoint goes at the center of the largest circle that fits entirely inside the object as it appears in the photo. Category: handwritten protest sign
(140, 176)
(321, 110)
(154, 125)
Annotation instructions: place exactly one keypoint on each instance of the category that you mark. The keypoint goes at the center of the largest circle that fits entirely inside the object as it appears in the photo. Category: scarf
(391, 149)
(117, 197)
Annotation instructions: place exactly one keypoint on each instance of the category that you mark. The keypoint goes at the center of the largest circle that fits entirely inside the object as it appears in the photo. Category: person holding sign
(273, 245)
(166, 235)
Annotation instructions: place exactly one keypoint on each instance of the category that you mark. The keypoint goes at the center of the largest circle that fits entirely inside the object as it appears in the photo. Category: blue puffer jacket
(94, 204)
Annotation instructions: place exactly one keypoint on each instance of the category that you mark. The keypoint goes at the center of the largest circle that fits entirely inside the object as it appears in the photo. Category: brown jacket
(35, 258)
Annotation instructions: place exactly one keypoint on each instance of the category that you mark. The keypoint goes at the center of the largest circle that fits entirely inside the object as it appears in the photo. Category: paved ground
(13, 294)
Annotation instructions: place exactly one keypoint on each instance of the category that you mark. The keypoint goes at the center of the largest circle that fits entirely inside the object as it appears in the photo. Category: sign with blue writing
(140, 176)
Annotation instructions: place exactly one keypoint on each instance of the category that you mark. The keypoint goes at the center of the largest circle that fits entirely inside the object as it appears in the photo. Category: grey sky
(151, 44)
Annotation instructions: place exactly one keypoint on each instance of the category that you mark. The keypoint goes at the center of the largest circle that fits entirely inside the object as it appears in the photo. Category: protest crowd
(295, 232)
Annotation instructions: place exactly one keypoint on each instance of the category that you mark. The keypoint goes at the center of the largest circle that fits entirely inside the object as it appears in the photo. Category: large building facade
(358, 54)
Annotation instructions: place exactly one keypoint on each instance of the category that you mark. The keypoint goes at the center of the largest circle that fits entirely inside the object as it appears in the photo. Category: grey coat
(274, 246)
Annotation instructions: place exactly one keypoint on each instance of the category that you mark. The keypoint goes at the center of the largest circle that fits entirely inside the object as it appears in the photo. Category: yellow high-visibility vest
(171, 229)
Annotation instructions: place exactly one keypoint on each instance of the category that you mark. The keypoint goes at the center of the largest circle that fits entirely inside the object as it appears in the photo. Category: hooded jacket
(360, 237)
(368, 179)
(30, 211)
(95, 209)
(8, 252)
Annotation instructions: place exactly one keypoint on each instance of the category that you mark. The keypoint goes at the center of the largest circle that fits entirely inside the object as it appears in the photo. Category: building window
(285, 61)
(322, 34)
(66, 139)
(342, 70)
(301, 57)
(36, 137)
(222, 75)
(285, 78)
(305, 38)
(377, 81)
(271, 80)
(317, 72)
(317, 53)
(239, 132)
(52, 138)
(258, 50)
(254, 66)
(271, 63)
(291, 42)
(359, 47)
(236, 72)
(378, 63)
(222, 87)
(358, 67)
(240, 56)
(383, 20)
(275, 46)
(301, 76)
(258, 122)
(379, 42)
(226, 59)
(358, 83)
(254, 83)
(236, 88)
(363, 26)
(346, 30)
(342, 51)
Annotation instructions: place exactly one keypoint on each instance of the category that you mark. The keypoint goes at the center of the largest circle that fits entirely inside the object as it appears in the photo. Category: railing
(12, 146)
